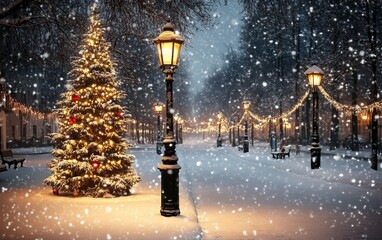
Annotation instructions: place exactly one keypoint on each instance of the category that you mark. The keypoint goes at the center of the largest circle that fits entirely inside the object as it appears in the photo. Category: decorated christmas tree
(90, 156)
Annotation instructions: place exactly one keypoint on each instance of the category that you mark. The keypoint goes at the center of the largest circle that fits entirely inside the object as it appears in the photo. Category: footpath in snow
(29, 210)
(253, 196)
(224, 194)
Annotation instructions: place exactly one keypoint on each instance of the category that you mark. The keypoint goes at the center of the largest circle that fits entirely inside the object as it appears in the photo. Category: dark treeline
(39, 38)
(280, 39)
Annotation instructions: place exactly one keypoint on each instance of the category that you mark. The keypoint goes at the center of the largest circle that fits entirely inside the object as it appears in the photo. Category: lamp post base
(374, 160)
(245, 145)
(170, 213)
(219, 142)
(315, 157)
(159, 147)
(170, 190)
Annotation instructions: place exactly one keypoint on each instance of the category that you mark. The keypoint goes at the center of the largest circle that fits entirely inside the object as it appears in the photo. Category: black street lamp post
(176, 118)
(180, 131)
(252, 133)
(233, 133)
(315, 75)
(219, 139)
(158, 108)
(238, 131)
(281, 122)
(169, 44)
(246, 142)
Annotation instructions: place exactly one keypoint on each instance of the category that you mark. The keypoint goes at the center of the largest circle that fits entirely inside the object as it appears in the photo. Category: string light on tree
(95, 164)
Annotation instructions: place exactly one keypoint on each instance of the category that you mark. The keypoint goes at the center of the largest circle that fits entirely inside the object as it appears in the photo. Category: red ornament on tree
(118, 114)
(72, 119)
(55, 191)
(75, 98)
(95, 164)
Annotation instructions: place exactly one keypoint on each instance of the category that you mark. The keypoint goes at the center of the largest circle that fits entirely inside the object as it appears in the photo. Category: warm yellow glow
(169, 53)
(176, 55)
(158, 107)
(168, 45)
(314, 79)
(246, 105)
(314, 75)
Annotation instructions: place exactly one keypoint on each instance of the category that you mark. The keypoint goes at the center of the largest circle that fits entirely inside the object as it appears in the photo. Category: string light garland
(348, 110)
(275, 118)
(17, 107)
(29, 111)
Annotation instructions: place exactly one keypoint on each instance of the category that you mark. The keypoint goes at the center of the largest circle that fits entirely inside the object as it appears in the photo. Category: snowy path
(30, 211)
(251, 196)
(224, 194)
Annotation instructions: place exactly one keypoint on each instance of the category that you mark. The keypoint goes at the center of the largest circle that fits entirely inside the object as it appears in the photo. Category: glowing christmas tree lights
(90, 155)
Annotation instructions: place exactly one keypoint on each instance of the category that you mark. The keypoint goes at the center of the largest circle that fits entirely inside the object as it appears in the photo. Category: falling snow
(234, 51)
(262, 196)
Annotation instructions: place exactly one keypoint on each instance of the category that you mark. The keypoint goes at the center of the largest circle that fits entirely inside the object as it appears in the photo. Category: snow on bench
(240, 147)
(282, 154)
(7, 158)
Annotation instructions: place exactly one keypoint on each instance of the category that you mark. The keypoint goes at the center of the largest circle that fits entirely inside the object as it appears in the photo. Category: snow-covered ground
(224, 194)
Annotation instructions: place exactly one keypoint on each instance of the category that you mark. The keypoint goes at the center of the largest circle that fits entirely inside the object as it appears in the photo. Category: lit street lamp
(158, 108)
(181, 121)
(287, 126)
(315, 75)
(246, 105)
(219, 140)
(365, 120)
(169, 44)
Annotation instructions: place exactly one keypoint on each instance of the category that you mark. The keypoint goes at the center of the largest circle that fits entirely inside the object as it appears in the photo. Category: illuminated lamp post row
(178, 129)
(246, 105)
(219, 139)
(158, 108)
(169, 44)
(315, 75)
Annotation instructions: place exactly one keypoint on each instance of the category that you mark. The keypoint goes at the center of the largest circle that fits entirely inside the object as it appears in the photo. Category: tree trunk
(371, 16)
(307, 120)
(354, 119)
(296, 35)
(137, 132)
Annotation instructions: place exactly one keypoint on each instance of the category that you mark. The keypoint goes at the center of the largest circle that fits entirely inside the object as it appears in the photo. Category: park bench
(7, 158)
(3, 168)
(240, 147)
(281, 154)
